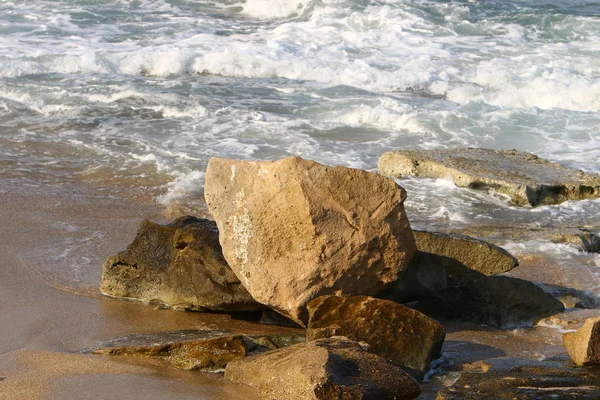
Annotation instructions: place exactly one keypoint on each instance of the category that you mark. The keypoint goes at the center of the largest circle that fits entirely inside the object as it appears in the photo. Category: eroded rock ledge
(527, 179)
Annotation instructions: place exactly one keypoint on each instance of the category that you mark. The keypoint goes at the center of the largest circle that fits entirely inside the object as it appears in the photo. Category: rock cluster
(328, 249)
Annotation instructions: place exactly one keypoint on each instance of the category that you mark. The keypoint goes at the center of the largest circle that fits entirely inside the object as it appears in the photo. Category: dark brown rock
(324, 369)
(496, 301)
(188, 349)
(180, 265)
(527, 179)
(583, 345)
(399, 334)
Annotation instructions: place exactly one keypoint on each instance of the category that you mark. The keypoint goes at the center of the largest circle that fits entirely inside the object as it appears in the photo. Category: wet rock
(327, 369)
(260, 343)
(521, 380)
(293, 230)
(570, 297)
(447, 260)
(584, 344)
(527, 179)
(496, 301)
(398, 334)
(180, 265)
(586, 239)
(425, 275)
(270, 317)
(188, 349)
(475, 254)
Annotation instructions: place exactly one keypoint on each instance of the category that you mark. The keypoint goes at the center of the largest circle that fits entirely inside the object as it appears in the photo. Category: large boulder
(188, 349)
(293, 230)
(527, 179)
(400, 335)
(583, 345)
(496, 301)
(180, 265)
(325, 369)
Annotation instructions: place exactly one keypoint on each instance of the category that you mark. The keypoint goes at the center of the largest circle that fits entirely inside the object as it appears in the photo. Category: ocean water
(134, 97)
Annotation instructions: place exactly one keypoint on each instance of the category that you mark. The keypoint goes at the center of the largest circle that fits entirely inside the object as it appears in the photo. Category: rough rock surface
(525, 178)
(180, 265)
(525, 381)
(400, 335)
(188, 349)
(325, 369)
(293, 229)
(584, 344)
(475, 254)
(496, 301)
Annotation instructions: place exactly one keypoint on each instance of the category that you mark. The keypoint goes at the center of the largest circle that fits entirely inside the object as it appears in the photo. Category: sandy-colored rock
(293, 230)
(496, 301)
(180, 265)
(188, 349)
(400, 335)
(583, 345)
(475, 254)
(527, 179)
(325, 369)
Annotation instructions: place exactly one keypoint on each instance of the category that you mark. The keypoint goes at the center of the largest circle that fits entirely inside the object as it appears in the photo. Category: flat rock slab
(525, 380)
(180, 265)
(527, 179)
(325, 369)
(187, 349)
(293, 229)
(400, 335)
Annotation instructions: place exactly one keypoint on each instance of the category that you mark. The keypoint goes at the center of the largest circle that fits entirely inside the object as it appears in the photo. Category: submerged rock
(400, 335)
(325, 369)
(180, 265)
(496, 301)
(293, 230)
(188, 349)
(524, 177)
(584, 344)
